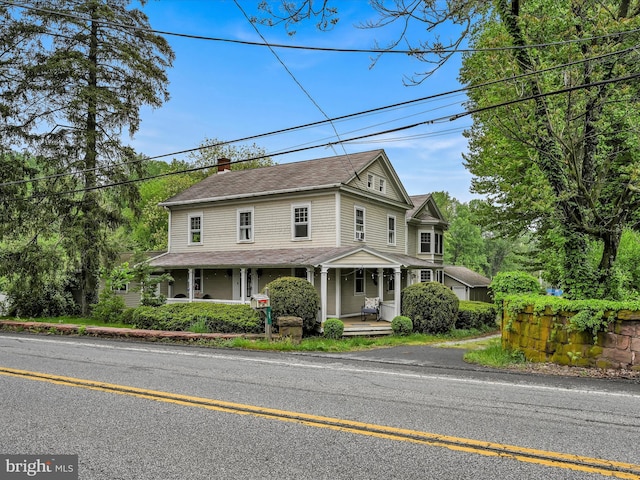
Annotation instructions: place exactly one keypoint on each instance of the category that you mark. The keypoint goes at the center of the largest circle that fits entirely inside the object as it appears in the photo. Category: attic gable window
(382, 185)
(195, 229)
(370, 180)
(245, 225)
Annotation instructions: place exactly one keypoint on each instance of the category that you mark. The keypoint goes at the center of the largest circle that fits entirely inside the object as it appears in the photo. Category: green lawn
(311, 343)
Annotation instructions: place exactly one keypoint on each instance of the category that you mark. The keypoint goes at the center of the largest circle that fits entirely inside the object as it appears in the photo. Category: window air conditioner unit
(360, 236)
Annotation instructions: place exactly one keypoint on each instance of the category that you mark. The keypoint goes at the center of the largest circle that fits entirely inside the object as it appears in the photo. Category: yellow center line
(523, 454)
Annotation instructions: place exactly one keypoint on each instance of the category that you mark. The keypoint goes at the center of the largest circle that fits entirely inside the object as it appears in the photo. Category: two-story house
(345, 223)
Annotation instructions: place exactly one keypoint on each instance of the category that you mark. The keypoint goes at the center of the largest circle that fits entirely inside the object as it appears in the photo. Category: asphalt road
(172, 412)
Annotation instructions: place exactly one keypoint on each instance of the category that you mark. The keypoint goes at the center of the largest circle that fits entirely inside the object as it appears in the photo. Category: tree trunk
(89, 254)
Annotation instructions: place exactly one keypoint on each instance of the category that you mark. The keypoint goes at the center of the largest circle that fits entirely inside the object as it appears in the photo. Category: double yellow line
(528, 455)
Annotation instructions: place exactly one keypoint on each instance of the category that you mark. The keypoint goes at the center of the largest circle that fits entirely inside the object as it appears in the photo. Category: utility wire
(318, 49)
(334, 119)
(305, 91)
(393, 130)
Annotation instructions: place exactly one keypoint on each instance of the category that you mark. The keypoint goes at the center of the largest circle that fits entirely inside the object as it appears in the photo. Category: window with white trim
(426, 275)
(245, 225)
(382, 185)
(359, 219)
(391, 229)
(425, 242)
(197, 280)
(439, 276)
(438, 239)
(195, 229)
(301, 222)
(359, 282)
(370, 180)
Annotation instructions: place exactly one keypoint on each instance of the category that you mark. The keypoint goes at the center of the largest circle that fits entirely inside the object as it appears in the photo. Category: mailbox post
(262, 303)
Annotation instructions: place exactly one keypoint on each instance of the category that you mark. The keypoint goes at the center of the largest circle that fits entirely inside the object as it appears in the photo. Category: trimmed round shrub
(333, 328)
(431, 306)
(402, 326)
(295, 297)
(513, 283)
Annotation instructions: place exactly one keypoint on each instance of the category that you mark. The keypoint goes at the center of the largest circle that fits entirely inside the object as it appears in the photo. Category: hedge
(476, 315)
(217, 318)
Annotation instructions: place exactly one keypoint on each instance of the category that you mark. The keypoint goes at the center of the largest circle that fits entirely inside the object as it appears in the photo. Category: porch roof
(274, 258)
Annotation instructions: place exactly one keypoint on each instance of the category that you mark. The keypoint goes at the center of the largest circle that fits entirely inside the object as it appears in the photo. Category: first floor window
(391, 282)
(425, 275)
(439, 276)
(197, 280)
(245, 225)
(195, 229)
(359, 282)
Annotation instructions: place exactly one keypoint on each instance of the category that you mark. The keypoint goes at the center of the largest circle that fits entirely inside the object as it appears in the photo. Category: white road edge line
(323, 367)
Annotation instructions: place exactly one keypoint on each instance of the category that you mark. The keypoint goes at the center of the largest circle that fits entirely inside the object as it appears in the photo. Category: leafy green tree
(86, 69)
(554, 99)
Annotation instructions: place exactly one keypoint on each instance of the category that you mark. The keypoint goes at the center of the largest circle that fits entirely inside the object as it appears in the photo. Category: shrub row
(217, 318)
(476, 315)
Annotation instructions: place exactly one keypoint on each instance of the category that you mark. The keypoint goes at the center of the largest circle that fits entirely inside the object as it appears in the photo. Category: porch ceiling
(285, 257)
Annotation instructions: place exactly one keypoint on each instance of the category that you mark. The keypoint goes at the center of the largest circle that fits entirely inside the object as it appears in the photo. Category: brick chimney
(224, 165)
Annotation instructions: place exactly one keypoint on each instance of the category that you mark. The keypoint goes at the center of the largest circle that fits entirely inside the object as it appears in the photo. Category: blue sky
(230, 91)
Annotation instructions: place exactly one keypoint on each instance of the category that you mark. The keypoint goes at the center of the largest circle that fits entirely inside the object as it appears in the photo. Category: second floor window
(195, 229)
(245, 225)
(359, 223)
(425, 242)
(438, 238)
(391, 230)
(301, 229)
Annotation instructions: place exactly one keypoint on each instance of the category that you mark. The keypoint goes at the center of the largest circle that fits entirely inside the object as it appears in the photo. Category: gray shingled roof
(418, 201)
(466, 276)
(286, 177)
(276, 257)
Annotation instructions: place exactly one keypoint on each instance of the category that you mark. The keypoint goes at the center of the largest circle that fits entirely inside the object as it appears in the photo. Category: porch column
(323, 293)
(243, 285)
(396, 289)
(170, 287)
(380, 273)
(310, 278)
(338, 308)
(190, 285)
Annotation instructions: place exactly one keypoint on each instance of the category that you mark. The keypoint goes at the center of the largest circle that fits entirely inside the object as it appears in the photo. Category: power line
(306, 92)
(393, 130)
(320, 49)
(335, 119)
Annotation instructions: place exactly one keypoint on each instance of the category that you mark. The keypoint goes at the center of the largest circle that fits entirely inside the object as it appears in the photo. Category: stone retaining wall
(549, 338)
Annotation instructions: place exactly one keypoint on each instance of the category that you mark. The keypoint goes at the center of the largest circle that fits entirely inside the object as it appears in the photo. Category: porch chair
(371, 307)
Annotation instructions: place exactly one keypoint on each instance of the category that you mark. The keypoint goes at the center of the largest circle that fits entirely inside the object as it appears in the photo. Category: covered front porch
(343, 278)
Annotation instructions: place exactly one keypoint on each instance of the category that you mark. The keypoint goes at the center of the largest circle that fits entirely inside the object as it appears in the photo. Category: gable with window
(195, 229)
(245, 225)
(301, 222)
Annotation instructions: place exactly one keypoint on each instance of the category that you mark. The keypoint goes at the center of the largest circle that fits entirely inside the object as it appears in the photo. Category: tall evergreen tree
(87, 68)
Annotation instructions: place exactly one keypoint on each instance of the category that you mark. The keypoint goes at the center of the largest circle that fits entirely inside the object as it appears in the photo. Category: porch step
(366, 330)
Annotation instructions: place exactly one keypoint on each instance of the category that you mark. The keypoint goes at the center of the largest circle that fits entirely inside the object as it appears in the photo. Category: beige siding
(272, 225)
(379, 171)
(375, 224)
